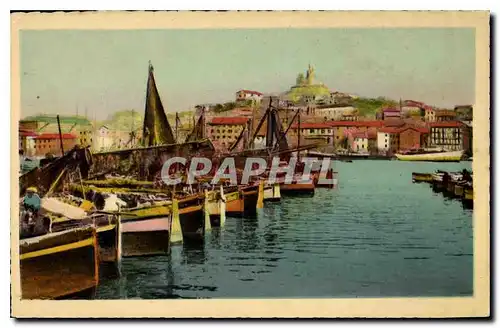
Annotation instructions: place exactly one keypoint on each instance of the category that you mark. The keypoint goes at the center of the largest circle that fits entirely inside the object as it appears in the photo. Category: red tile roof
(446, 124)
(445, 112)
(391, 109)
(356, 123)
(418, 129)
(55, 136)
(228, 120)
(312, 125)
(389, 130)
(250, 92)
(27, 133)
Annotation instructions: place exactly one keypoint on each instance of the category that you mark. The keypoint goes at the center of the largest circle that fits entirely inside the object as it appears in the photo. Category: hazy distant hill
(128, 120)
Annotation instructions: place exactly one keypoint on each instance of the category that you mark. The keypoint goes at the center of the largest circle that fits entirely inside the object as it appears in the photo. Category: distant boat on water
(431, 155)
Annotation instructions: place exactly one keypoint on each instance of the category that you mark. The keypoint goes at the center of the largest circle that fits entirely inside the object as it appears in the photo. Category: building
(363, 142)
(391, 113)
(79, 126)
(226, 130)
(430, 114)
(242, 95)
(387, 140)
(448, 135)
(103, 139)
(411, 137)
(445, 115)
(331, 112)
(340, 98)
(464, 112)
(27, 142)
(340, 129)
(50, 143)
(318, 131)
(352, 116)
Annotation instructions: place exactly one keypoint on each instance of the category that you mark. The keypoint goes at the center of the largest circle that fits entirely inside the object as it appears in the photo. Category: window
(322, 131)
(311, 130)
(386, 135)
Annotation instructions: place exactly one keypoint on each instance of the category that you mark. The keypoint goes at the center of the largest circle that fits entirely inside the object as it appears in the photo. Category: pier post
(276, 191)
(222, 206)
(260, 197)
(206, 211)
(176, 234)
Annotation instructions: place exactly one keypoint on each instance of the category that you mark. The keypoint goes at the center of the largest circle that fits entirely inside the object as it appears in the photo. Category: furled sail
(198, 132)
(156, 129)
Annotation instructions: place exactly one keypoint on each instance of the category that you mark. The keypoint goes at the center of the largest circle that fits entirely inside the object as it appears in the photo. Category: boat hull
(59, 265)
(452, 156)
(421, 177)
(297, 189)
(272, 193)
(234, 204)
(145, 236)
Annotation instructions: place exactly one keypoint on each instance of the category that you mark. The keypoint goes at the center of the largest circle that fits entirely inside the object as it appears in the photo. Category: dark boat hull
(60, 265)
(146, 236)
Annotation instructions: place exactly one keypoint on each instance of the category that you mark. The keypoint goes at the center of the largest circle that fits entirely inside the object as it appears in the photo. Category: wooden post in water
(208, 226)
(260, 197)
(176, 233)
(60, 135)
(222, 206)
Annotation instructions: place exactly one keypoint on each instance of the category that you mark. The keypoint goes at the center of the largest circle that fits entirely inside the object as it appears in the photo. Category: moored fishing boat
(272, 192)
(192, 217)
(216, 207)
(421, 177)
(57, 265)
(459, 190)
(431, 156)
(468, 196)
(146, 231)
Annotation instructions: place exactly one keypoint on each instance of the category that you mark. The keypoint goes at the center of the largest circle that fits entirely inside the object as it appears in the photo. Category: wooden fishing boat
(216, 207)
(297, 189)
(145, 231)
(192, 217)
(272, 193)
(244, 201)
(58, 265)
(468, 197)
(431, 156)
(234, 201)
(107, 229)
(421, 177)
(459, 190)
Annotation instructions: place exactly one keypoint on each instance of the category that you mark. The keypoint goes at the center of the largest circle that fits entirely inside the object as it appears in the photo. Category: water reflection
(193, 254)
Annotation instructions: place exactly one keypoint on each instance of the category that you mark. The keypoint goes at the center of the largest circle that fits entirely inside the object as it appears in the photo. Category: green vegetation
(125, 120)
(225, 107)
(371, 106)
(79, 120)
(300, 91)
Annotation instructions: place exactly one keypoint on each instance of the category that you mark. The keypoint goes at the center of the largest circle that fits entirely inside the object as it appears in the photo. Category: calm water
(376, 235)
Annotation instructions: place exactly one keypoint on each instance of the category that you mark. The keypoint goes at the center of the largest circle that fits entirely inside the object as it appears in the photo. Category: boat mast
(60, 135)
(298, 139)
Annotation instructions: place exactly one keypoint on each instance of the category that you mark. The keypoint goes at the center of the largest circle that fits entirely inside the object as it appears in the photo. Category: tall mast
(298, 139)
(60, 135)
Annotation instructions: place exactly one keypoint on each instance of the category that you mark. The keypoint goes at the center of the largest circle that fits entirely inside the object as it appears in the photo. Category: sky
(99, 72)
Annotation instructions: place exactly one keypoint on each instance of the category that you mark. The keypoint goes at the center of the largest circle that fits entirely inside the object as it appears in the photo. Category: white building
(387, 139)
(103, 139)
(333, 113)
(248, 95)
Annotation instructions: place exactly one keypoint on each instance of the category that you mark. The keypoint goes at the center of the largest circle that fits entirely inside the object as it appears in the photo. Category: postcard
(250, 165)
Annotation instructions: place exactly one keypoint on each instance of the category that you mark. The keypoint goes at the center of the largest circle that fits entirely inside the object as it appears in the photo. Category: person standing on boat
(31, 223)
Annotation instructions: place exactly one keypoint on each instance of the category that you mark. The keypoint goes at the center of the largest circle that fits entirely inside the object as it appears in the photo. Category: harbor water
(376, 235)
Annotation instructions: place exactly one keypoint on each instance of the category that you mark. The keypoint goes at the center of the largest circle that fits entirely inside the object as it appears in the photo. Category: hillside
(370, 106)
